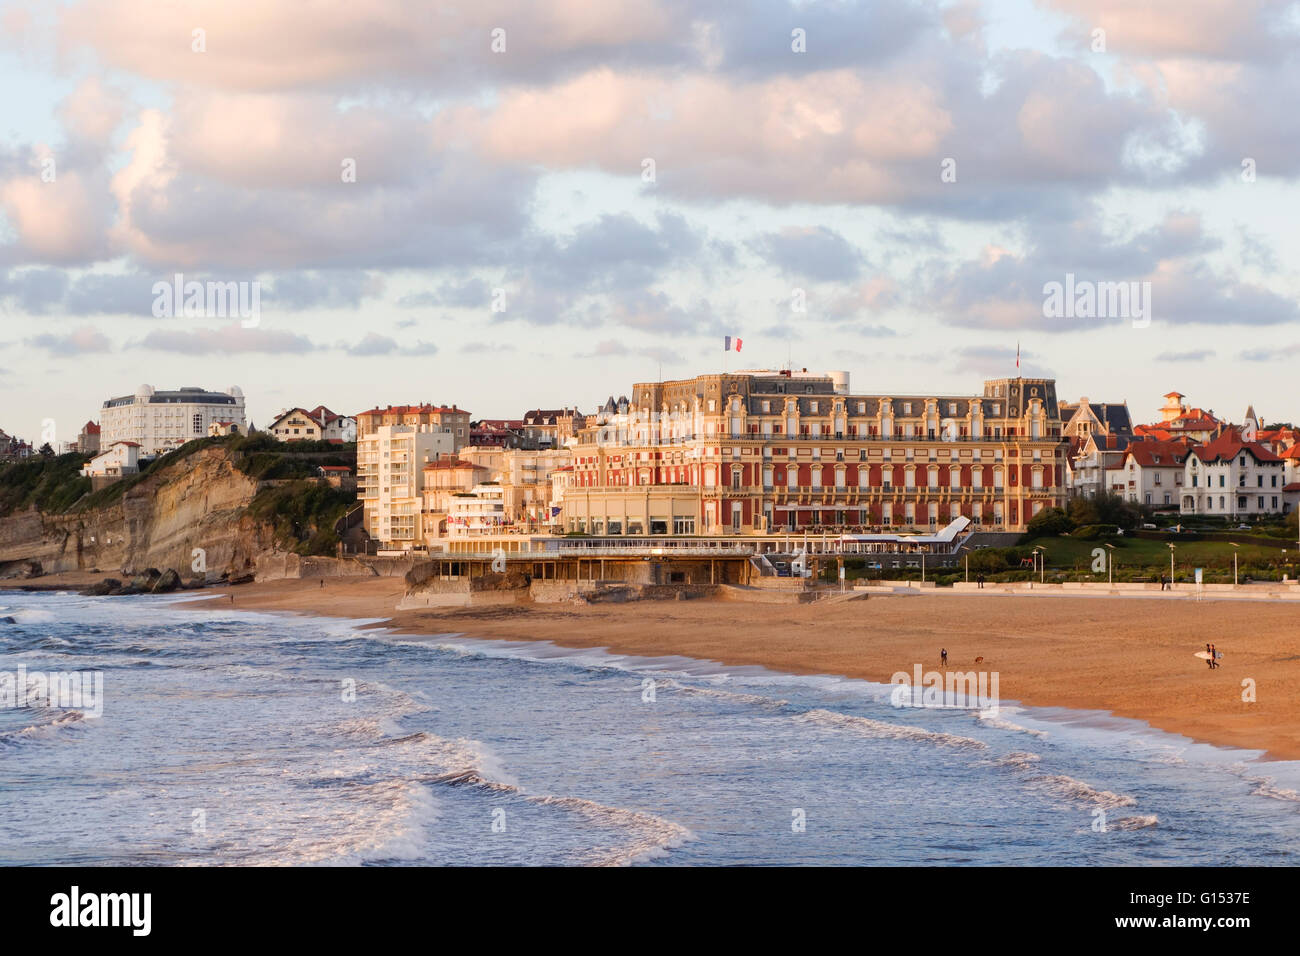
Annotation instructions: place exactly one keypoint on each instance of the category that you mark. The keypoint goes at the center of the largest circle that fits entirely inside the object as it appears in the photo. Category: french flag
(727, 340)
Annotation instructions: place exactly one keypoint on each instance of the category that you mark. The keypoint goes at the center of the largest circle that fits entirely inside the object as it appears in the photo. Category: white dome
(235, 391)
(144, 391)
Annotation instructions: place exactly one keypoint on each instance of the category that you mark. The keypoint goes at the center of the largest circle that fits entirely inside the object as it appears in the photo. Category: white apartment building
(1231, 478)
(119, 460)
(1152, 473)
(525, 478)
(390, 479)
(161, 421)
(481, 511)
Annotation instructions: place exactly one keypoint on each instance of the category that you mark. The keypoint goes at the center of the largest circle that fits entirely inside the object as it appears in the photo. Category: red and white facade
(761, 452)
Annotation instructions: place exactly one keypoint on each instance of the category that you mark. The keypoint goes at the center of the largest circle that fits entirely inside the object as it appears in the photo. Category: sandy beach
(1132, 657)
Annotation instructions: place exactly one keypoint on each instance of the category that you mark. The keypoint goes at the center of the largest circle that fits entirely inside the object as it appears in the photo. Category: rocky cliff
(198, 504)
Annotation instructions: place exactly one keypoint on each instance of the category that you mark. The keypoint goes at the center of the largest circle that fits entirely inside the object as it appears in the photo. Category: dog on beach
(979, 660)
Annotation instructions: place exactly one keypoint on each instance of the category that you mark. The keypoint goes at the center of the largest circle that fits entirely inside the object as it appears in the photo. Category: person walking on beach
(322, 582)
(943, 656)
(1209, 649)
(232, 599)
(1214, 654)
(979, 579)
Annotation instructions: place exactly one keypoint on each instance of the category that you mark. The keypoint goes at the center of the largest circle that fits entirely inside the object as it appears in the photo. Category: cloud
(230, 339)
(375, 344)
(1005, 289)
(83, 341)
(816, 253)
(1196, 355)
(1270, 354)
(613, 348)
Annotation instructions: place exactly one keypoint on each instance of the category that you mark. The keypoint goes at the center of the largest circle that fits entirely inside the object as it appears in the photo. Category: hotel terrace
(768, 452)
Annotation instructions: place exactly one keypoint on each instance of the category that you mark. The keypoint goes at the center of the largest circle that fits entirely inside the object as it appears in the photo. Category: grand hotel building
(779, 451)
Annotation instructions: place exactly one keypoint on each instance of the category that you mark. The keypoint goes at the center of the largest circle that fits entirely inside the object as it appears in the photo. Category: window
(683, 525)
(198, 424)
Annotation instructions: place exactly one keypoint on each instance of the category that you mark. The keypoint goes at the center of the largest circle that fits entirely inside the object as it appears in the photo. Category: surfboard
(1205, 655)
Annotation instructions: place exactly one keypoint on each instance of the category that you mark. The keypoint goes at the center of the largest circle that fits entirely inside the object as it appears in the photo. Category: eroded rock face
(189, 518)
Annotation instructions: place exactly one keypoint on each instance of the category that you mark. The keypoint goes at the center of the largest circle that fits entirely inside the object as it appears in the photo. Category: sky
(510, 205)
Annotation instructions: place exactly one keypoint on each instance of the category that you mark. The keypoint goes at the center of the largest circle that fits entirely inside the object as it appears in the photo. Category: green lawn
(1066, 553)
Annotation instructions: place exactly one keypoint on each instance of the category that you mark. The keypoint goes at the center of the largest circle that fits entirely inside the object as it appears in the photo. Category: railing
(627, 441)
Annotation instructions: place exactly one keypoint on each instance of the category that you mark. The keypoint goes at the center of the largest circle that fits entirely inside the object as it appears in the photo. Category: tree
(1105, 509)
(46, 451)
(1049, 521)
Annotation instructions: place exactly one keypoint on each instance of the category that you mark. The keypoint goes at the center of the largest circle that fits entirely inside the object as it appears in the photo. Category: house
(338, 476)
(335, 427)
(553, 427)
(500, 433)
(1098, 433)
(1291, 464)
(1234, 478)
(296, 424)
(1094, 462)
(1151, 472)
(1177, 420)
(221, 429)
(121, 459)
(13, 449)
(88, 439)
(317, 424)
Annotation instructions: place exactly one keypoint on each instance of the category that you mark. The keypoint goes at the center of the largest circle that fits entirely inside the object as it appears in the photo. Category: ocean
(233, 738)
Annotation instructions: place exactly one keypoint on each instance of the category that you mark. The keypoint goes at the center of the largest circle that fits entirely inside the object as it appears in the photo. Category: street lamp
(1110, 563)
(1235, 548)
(1171, 565)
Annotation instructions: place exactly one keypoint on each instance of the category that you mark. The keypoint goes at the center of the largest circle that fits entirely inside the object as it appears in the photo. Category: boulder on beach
(106, 586)
(145, 580)
(168, 581)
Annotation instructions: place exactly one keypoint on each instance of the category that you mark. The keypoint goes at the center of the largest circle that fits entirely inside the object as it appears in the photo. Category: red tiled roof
(1294, 486)
(1150, 454)
(1228, 444)
(450, 463)
(412, 410)
(335, 468)
(315, 421)
(91, 428)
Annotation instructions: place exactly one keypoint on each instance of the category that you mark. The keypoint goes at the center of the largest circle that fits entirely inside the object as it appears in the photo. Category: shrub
(1048, 523)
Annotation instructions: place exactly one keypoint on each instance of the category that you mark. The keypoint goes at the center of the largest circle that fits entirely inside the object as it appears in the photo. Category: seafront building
(390, 480)
(161, 421)
(763, 452)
